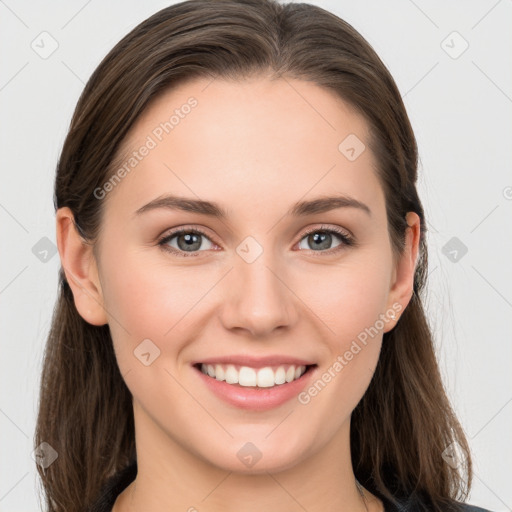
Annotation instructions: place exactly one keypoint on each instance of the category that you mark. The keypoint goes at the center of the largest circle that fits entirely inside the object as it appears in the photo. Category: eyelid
(163, 239)
(347, 239)
(344, 233)
(346, 236)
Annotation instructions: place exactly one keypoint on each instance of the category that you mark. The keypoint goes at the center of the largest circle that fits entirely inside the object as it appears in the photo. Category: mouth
(247, 376)
(256, 388)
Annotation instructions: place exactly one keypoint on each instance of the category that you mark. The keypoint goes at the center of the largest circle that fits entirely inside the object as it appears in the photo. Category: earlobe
(403, 286)
(79, 265)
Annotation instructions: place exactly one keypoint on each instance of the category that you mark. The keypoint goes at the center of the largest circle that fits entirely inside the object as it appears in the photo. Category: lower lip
(256, 399)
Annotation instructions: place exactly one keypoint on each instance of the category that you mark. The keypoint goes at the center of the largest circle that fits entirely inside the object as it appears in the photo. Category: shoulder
(465, 507)
(113, 487)
(414, 504)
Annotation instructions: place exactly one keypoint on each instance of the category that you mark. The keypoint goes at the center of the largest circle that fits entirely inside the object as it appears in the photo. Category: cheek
(146, 295)
(351, 300)
(147, 300)
(353, 312)
(349, 297)
(149, 297)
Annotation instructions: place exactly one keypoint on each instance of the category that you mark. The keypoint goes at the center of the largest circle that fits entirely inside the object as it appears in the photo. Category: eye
(321, 238)
(187, 240)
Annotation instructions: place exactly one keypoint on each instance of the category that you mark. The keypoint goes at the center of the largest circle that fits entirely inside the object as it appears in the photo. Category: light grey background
(460, 109)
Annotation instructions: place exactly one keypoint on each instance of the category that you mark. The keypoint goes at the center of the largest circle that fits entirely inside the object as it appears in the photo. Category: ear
(402, 287)
(79, 265)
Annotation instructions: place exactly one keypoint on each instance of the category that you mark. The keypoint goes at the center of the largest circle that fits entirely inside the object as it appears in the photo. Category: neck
(174, 478)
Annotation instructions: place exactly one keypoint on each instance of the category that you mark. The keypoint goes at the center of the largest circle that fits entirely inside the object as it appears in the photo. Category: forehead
(256, 143)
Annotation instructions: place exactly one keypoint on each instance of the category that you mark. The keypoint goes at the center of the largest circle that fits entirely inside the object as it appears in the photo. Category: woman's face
(253, 289)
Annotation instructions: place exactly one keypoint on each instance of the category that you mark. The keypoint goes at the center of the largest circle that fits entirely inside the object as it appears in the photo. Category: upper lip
(256, 362)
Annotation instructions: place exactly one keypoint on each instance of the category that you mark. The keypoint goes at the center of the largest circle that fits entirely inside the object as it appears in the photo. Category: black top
(116, 484)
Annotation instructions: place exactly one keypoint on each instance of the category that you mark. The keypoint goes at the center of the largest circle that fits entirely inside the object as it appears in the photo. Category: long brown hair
(404, 422)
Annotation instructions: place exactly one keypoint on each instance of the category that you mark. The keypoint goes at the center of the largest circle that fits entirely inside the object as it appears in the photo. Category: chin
(256, 455)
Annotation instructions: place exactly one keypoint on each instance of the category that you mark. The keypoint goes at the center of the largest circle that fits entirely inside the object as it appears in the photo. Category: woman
(240, 322)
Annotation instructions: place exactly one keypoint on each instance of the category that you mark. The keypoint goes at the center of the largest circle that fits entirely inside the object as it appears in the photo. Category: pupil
(190, 240)
(320, 238)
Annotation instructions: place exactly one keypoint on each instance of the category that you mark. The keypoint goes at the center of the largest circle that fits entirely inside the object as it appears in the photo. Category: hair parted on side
(404, 421)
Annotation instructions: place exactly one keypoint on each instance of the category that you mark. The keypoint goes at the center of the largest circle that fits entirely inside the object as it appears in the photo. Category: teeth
(280, 376)
(265, 377)
(247, 376)
(219, 372)
(231, 374)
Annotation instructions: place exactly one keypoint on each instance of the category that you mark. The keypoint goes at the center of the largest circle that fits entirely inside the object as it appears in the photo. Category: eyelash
(347, 241)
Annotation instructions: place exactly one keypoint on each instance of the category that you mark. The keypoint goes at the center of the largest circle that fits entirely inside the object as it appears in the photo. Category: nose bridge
(257, 298)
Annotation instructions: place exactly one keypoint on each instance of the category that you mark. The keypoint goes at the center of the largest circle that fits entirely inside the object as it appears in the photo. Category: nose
(258, 299)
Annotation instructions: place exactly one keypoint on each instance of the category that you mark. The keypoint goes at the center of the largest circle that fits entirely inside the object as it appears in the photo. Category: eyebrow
(299, 209)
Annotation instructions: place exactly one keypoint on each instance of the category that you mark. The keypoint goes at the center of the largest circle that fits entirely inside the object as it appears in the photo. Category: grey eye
(187, 241)
(320, 240)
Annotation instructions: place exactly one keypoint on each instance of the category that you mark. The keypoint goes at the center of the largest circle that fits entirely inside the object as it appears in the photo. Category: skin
(255, 147)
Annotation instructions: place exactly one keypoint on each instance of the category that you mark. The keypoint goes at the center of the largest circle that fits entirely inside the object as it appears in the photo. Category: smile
(255, 384)
(246, 376)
